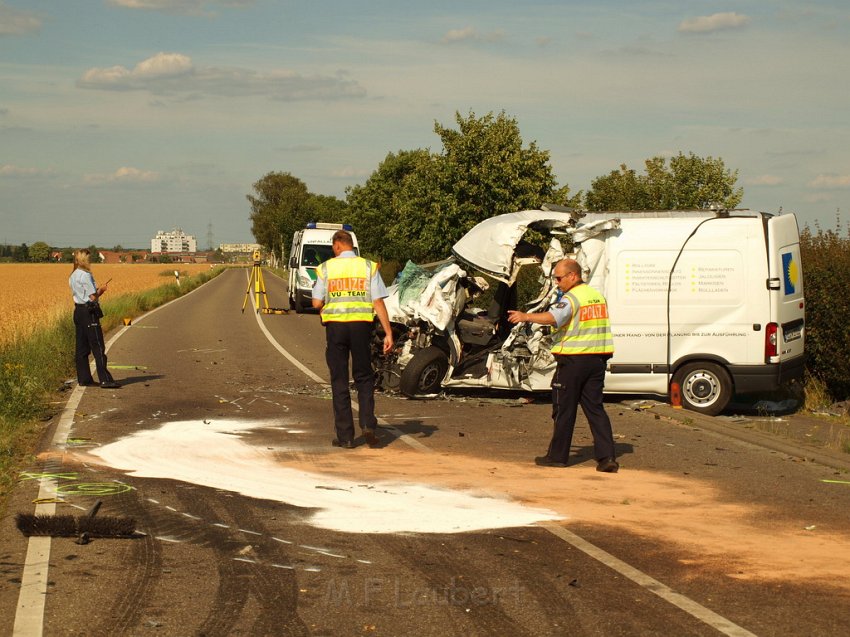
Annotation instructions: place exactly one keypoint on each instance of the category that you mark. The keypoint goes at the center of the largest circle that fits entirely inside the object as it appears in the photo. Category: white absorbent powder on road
(216, 454)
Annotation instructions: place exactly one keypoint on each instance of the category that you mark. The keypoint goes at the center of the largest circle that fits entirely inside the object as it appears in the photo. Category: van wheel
(424, 373)
(706, 387)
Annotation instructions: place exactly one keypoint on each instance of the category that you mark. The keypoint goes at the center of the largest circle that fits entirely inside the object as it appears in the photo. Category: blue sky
(119, 118)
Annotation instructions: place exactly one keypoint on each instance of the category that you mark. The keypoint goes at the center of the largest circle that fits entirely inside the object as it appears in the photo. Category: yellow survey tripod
(256, 280)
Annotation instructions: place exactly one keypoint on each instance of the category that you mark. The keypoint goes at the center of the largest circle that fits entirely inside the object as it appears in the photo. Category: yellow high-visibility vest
(588, 331)
(348, 289)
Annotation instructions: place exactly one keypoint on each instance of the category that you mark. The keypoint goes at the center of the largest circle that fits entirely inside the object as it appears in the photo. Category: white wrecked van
(311, 246)
(710, 300)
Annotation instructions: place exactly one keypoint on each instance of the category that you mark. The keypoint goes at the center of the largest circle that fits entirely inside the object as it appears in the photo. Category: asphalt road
(251, 523)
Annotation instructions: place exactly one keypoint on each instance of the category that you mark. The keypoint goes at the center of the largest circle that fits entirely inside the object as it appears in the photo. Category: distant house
(125, 256)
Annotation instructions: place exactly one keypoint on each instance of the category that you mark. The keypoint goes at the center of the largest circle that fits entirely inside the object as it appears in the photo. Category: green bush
(826, 272)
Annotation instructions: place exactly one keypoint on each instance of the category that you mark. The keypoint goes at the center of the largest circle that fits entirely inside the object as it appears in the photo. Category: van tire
(424, 373)
(705, 387)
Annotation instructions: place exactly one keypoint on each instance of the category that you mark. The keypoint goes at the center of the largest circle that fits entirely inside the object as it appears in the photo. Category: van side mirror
(293, 262)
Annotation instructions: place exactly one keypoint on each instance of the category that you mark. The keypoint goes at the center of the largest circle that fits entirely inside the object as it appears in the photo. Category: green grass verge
(33, 372)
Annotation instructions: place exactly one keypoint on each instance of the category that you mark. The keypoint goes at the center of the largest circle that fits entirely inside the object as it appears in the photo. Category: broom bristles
(70, 526)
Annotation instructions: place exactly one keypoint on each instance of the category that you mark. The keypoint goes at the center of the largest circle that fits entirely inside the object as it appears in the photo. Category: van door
(786, 286)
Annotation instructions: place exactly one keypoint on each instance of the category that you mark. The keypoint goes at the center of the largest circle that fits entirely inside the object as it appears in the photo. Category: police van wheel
(705, 387)
(424, 373)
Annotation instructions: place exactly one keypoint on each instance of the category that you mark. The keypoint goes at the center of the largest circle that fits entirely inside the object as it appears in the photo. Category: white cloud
(349, 172)
(470, 34)
(764, 180)
(163, 65)
(125, 174)
(176, 75)
(830, 181)
(16, 22)
(187, 7)
(10, 170)
(714, 22)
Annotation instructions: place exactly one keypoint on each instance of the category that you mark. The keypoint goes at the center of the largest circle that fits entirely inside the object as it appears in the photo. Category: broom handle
(93, 511)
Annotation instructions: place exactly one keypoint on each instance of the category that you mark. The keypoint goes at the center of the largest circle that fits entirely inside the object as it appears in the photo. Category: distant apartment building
(174, 242)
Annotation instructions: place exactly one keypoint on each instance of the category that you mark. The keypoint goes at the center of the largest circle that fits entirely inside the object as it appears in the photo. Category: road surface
(251, 523)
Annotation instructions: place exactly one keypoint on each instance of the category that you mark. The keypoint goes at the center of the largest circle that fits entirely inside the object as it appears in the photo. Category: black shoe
(345, 444)
(607, 465)
(546, 461)
(110, 384)
(90, 383)
(371, 437)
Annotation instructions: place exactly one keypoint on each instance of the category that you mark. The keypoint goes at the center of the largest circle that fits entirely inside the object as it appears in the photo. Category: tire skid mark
(275, 590)
(127, 610)
(442, 564)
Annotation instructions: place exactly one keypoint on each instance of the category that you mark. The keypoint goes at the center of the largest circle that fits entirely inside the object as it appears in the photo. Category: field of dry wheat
(37, 294)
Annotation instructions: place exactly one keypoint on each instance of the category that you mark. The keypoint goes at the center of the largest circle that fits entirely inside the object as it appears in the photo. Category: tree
(374, 206)
(688, 182)
(278, 210)
(326, 208)
(418, 204)
(39, 252)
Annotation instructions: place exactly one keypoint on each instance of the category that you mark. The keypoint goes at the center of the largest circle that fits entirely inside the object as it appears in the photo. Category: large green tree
(39, 252)
(686, 182)
(417, 204)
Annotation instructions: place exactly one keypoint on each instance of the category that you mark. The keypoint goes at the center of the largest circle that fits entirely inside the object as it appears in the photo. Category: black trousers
(578, 381)
(89, 341)
(352, 340)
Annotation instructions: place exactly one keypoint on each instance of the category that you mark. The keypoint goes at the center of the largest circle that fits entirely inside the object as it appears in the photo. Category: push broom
(82, 527)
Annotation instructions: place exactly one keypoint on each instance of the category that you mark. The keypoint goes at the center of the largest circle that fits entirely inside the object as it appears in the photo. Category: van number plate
(793, 333)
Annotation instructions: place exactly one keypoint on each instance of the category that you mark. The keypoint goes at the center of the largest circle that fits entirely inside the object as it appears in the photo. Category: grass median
(34, 371)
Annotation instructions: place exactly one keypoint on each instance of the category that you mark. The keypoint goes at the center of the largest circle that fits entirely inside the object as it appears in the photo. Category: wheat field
(33, 295)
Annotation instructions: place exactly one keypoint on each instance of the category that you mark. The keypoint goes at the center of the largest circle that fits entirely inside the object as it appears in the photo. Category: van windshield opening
(313, 255)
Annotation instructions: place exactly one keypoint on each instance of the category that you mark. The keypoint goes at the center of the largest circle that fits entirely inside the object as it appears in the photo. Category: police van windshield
(313, 255)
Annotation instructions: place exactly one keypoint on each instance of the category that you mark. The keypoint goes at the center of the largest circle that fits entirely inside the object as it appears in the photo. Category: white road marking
(666, 593)
(686, 604)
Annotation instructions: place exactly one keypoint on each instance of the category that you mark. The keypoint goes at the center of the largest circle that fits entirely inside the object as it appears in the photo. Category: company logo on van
(790, 273)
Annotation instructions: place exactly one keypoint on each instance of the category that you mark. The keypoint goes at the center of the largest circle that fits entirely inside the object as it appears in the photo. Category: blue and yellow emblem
(790, 273)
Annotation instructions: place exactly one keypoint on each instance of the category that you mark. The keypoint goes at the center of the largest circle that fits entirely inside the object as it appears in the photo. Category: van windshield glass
(313, 255)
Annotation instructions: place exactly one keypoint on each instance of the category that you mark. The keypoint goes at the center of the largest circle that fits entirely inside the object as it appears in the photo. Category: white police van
(311, 247)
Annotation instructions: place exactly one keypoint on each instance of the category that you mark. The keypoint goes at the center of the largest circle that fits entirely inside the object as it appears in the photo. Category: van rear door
(786, 286)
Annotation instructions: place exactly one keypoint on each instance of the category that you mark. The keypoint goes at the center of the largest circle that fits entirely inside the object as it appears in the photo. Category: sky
(119, 118)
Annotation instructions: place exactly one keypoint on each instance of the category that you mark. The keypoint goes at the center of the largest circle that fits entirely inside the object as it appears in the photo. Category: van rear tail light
(771, 342)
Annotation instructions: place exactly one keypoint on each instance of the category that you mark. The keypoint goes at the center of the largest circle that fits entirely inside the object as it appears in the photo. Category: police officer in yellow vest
(349, 292)
(582, 345)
